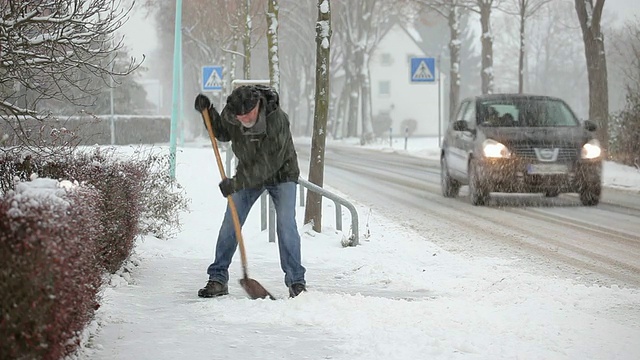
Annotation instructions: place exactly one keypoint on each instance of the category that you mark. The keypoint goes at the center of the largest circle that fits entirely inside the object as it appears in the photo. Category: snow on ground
(397, 296)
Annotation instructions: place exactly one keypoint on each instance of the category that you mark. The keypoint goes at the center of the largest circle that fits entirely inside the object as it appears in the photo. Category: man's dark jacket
(265, 152)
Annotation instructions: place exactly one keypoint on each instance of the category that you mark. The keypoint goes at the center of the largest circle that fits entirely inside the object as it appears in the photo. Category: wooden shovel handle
(232, 205)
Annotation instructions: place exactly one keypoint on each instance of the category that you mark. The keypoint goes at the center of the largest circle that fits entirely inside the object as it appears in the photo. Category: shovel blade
(254, 289)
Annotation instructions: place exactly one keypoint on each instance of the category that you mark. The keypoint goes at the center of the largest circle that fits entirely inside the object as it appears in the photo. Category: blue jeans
(284, 200)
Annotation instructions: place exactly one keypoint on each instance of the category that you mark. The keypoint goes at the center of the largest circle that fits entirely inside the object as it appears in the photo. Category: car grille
(528, 152)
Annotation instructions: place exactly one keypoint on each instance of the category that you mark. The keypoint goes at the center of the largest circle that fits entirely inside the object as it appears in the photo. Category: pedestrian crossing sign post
(423, 69)
(211, 78)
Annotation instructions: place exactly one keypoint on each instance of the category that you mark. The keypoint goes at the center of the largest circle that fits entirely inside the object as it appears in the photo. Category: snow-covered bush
(58, 242)
(49, 278)
(161, 197)
(625, 132)
(119, 184)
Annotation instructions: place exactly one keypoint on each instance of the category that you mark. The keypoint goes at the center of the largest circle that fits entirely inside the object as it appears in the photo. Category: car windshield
(525, 112)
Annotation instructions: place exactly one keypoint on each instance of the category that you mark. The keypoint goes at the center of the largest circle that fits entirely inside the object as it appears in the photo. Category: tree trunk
(246, 41)
(354, 92)
(522, 49)
(365, 96)
(486, 73)
(313, 210)
(341, 111)
(596, 65)
(272, 44)
(454, 52)
(365, 103)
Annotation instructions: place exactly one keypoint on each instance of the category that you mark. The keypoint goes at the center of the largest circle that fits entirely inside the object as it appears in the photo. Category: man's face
(249, 119)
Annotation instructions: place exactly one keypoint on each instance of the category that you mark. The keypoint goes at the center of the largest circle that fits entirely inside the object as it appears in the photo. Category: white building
(398, 92)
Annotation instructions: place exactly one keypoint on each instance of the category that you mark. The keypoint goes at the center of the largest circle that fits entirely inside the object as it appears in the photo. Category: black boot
(296, 289)
(212, 289)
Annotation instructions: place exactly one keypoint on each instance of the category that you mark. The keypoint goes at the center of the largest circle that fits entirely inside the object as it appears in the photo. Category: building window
(384, 88)
(386, 59)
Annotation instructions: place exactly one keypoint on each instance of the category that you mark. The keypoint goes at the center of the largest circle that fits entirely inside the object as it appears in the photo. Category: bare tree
(625, 43)
(362, 24)
(297, 59)
(625, 124)
(55, 50)
(590, 14)
(524, 9)
(555, 52)
(356, 29)
(214, 33)
(484, 8)
(450, 10)
(313, 210)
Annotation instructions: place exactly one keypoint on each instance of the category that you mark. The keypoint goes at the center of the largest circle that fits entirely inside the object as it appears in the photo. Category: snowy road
(555, 236)
(433, 278)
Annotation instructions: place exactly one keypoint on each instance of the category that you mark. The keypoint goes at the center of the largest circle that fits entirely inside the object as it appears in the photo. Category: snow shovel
(252, 287)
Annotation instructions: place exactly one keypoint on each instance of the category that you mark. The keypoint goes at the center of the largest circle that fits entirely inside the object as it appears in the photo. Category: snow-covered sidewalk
(397, 296)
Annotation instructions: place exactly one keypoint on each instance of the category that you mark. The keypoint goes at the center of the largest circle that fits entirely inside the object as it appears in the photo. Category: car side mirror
(590, 125)
(460, 125)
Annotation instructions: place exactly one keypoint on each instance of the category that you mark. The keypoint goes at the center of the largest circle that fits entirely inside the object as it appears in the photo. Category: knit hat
(243, 99)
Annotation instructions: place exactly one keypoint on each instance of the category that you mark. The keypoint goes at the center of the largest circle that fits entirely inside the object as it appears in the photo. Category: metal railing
(353, 240)
(268, 211)
(339, 202)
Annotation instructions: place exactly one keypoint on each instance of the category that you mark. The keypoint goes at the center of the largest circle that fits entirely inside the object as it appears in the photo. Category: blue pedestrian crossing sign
(211, 78)
(423, 69)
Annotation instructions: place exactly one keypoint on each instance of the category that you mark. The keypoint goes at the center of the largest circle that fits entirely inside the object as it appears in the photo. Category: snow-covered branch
(56, 49)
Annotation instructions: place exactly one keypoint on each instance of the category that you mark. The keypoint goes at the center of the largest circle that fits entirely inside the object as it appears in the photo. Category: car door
(450, 142)
(462, 140)
(467, 138)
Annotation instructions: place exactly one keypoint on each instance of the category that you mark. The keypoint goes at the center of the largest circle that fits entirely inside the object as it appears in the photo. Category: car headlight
(494, 149)
(591, 150)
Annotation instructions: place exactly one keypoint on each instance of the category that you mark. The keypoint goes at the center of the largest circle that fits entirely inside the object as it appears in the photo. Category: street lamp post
(177, 79)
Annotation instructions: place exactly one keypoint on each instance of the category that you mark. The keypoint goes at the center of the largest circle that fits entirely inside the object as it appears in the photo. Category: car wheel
(478, 194)
(590, 195)
(551, 193)
(450, 187)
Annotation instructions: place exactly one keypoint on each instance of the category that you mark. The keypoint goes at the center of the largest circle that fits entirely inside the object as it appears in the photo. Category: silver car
(516, 143)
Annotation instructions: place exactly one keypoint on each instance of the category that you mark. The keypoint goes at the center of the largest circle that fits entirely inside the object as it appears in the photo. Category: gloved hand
(226, 187)
(202, 103)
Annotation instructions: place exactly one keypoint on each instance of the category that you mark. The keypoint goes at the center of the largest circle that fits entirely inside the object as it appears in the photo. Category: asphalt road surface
(556, 236)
